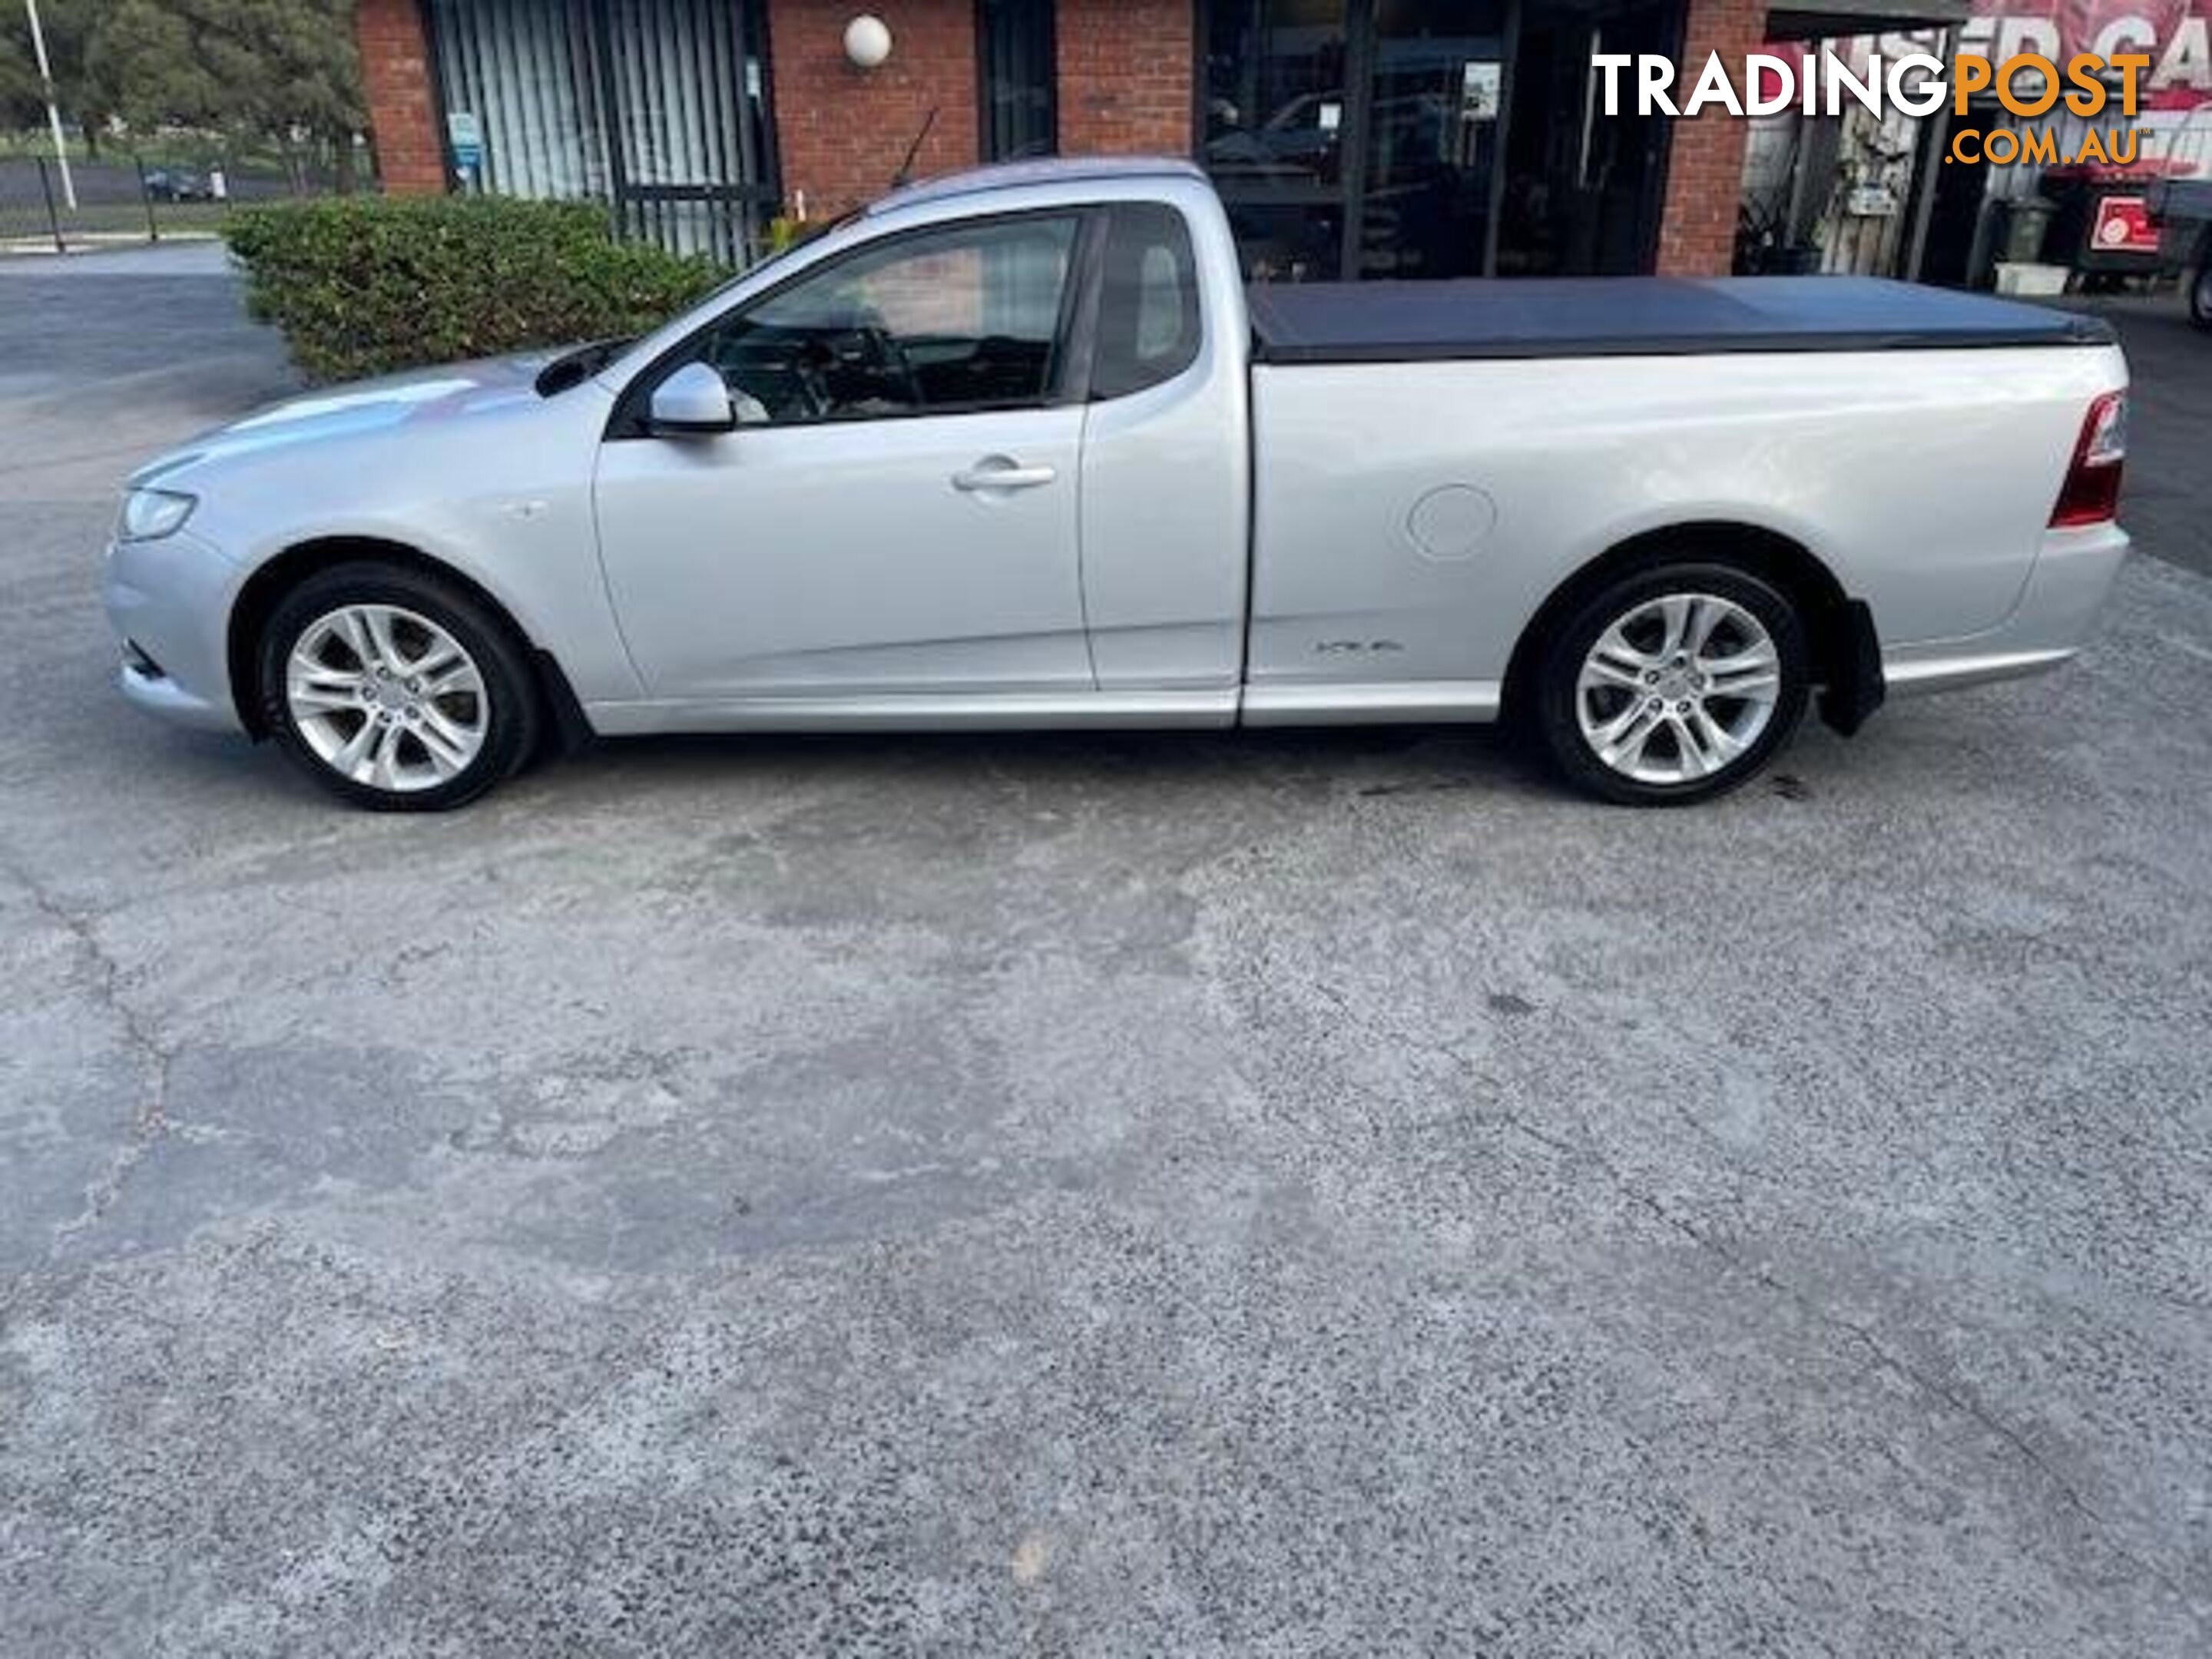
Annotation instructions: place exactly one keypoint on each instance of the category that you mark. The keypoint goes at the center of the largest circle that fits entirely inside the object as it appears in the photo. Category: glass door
(657, 107)
(1278, 125)
(1413, 138)
(687, 124)
(1429, 162)
(1356, 138)
(1582, 192)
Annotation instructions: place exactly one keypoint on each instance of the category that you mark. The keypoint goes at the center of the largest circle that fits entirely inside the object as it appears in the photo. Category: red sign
(2124, 226)
(2175, 35)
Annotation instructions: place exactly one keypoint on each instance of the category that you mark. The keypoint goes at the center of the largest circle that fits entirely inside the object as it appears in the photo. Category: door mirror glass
(693, 402)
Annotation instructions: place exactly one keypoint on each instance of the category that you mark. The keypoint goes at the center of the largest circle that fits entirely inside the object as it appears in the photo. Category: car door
(897, 514)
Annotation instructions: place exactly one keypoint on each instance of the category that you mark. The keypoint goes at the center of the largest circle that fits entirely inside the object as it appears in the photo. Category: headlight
(150, 514)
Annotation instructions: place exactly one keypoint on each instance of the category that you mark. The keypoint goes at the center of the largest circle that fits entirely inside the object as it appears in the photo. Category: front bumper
(2055, 615)
(169, 603)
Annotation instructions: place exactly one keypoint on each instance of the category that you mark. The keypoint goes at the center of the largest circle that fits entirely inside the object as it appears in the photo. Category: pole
(46, 190)
(1927, 169)
(53, 110)
(146, 196)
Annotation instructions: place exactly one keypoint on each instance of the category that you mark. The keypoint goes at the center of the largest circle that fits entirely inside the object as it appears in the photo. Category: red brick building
(1350, 138)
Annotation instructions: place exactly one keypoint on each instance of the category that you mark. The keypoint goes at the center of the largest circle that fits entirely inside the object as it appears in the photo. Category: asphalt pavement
(2169, 488)
(1274, 1193)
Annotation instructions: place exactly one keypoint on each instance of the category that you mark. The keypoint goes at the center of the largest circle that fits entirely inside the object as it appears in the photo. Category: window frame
(1074, 337)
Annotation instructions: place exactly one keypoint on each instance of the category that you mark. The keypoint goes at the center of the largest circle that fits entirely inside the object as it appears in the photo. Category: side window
(964, 319)
(1148, 320)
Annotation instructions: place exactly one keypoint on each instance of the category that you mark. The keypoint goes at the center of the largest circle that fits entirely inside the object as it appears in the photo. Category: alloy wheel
(386, 698)
(1677, 688)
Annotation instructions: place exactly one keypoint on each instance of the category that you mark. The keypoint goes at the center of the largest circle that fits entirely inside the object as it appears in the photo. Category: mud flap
(568, 731)
(1855, 687)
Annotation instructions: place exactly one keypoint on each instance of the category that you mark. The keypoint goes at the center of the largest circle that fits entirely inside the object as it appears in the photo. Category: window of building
(658, 107)
(1400, 138)
(968, 318)
(1276, 102)
(1016, 76)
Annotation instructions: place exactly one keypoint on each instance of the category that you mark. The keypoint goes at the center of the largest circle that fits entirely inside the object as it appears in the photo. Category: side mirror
(693, 402)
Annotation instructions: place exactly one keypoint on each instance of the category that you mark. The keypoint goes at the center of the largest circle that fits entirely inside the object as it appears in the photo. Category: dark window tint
(966, 318)
(1148, 321)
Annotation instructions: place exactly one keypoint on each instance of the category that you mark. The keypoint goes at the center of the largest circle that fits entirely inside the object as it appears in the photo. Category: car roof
(1012, 175)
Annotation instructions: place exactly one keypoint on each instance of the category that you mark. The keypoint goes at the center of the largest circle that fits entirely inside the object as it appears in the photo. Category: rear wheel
(1672, 685)
(395, 691)
(2200, 291)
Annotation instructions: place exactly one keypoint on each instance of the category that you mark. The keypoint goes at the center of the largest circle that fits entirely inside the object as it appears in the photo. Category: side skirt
(975, 711)
(1345, 703)
(1338, 703)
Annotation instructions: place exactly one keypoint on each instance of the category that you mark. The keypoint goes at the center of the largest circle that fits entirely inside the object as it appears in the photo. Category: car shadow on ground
(1490, 763)
(1486, 763)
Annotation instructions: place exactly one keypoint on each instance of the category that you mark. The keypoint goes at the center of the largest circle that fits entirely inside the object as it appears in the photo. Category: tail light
(2091, 493)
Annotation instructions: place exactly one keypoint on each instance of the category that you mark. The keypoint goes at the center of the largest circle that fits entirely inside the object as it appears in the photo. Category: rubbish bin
(2027, 222)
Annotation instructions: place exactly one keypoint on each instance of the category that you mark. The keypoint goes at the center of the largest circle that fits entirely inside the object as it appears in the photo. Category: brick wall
(1125, 69)
(402, 114)
(841, 132)
(1705, 166)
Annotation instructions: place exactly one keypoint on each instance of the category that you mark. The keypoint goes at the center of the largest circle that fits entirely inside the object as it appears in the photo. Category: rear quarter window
(1148, 314)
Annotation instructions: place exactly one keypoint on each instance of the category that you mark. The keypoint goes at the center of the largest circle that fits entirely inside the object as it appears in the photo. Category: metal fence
(119, 201)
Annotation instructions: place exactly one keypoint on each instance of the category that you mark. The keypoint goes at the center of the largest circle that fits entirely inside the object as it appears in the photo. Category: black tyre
(1670, 685)
(2200, 291)
(395, 691)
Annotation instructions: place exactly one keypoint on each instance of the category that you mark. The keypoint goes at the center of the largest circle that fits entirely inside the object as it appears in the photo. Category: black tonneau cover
(1638, 316)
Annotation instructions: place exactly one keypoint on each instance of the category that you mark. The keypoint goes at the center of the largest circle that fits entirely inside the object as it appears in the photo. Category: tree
(68, 26)
(281, 70)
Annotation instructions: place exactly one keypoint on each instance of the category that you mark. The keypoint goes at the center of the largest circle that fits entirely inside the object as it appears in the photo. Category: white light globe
(868, 41)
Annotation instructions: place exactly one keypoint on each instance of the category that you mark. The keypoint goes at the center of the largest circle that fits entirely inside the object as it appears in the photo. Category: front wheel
(394, 689)
(1672, 685)
(2200, 292)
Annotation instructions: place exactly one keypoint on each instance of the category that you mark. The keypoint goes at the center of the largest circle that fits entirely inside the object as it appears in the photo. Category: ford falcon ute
(1019, 447)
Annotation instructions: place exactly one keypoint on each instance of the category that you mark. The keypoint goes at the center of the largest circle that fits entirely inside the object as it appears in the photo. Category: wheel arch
(261, 592)
(1838, 629)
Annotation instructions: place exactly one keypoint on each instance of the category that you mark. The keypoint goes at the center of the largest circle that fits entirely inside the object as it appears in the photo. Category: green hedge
(364, 285)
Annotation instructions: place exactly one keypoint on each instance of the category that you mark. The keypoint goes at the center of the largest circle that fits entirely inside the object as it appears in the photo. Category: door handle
(997, 473)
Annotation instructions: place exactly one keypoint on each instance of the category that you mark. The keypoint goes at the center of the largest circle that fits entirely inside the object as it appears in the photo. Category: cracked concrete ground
(1298, 1193)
